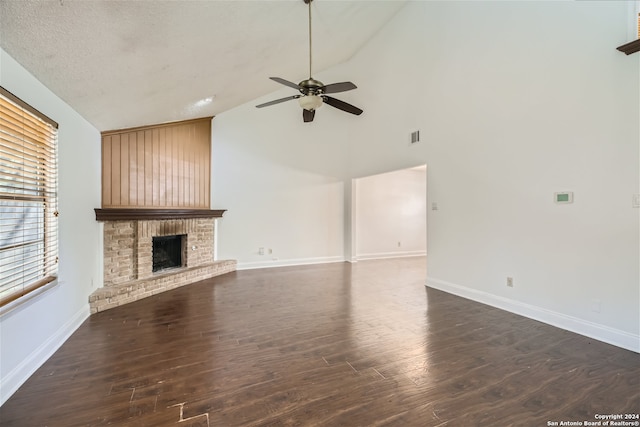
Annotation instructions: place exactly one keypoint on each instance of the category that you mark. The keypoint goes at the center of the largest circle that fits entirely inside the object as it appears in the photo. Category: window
(28, 198)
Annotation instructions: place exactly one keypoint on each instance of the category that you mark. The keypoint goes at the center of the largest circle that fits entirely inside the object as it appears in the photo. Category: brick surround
(128, 274)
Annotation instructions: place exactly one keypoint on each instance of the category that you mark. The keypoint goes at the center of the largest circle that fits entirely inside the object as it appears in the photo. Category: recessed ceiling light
(204, 102)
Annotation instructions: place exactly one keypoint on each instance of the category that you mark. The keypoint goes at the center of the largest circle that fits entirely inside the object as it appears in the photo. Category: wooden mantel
(631, 47)
(114, 214)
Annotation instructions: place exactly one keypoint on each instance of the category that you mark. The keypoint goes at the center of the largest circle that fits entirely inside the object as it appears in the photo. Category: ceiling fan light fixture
(310, 102)
(314, 92)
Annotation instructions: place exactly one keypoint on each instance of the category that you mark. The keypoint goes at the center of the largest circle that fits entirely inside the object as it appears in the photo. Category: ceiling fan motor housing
(311, 86)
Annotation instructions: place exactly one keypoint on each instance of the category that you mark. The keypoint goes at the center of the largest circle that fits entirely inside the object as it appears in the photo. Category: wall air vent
(415, 137)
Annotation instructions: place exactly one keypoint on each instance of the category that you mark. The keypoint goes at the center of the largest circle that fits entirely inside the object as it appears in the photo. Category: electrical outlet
(510, 282)
(260, 251)
(270, 251)
(398, 244)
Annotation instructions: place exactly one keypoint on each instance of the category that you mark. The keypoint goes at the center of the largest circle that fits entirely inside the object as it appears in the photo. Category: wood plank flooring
(326, 345)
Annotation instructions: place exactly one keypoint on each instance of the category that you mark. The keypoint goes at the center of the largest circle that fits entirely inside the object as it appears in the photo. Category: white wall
(391, 214)
(516, 100)
(32, 331)
(282, 182)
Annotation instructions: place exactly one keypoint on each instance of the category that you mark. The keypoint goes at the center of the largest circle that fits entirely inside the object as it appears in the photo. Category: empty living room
(319, 213)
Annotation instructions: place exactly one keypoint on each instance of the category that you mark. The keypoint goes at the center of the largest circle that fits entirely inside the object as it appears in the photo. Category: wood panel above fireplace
(165, 166)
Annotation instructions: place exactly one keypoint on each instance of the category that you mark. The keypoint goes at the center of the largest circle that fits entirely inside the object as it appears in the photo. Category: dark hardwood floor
(326, 345)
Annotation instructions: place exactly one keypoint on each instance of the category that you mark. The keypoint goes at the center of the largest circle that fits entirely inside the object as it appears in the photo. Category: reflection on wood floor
(325, 345)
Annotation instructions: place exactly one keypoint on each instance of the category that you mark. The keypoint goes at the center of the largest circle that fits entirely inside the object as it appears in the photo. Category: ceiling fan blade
(341, 105)
(285, 82)
(277, 101)
(339, 87)
(308, 115)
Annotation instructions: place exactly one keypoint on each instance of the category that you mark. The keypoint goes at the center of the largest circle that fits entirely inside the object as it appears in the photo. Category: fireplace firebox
(167, 252)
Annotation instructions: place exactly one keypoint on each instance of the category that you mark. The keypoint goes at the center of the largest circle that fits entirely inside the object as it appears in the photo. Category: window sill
(18, 299)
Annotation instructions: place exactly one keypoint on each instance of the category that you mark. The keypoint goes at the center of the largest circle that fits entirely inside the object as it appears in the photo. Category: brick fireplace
(128, 257)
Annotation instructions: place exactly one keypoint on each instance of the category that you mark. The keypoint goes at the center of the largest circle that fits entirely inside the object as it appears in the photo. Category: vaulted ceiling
(131, 63)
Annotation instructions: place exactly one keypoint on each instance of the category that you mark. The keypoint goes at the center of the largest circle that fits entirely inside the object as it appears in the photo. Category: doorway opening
(389, 214)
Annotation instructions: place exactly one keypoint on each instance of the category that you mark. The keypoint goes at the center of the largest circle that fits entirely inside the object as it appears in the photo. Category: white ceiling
(130, 63)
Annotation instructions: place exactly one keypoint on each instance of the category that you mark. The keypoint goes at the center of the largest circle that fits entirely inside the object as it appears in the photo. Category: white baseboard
(593, 330)
(287, 262)
(385, 255)
(21, 373)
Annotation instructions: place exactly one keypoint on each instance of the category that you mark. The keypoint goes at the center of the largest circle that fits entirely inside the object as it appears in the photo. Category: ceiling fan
(313, 92)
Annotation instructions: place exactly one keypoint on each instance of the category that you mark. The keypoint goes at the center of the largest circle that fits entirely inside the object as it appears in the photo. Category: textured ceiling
(131, 63)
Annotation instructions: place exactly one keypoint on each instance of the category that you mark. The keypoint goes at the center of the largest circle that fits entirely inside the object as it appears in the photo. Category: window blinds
(28, 198)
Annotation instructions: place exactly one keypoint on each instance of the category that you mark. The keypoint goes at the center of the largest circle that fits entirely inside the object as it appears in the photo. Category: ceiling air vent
(415, 137)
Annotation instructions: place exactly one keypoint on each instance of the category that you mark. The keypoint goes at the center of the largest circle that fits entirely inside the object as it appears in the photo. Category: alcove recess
(156, 182)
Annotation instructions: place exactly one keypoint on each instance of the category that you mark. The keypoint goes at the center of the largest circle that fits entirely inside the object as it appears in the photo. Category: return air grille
(415, 137)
